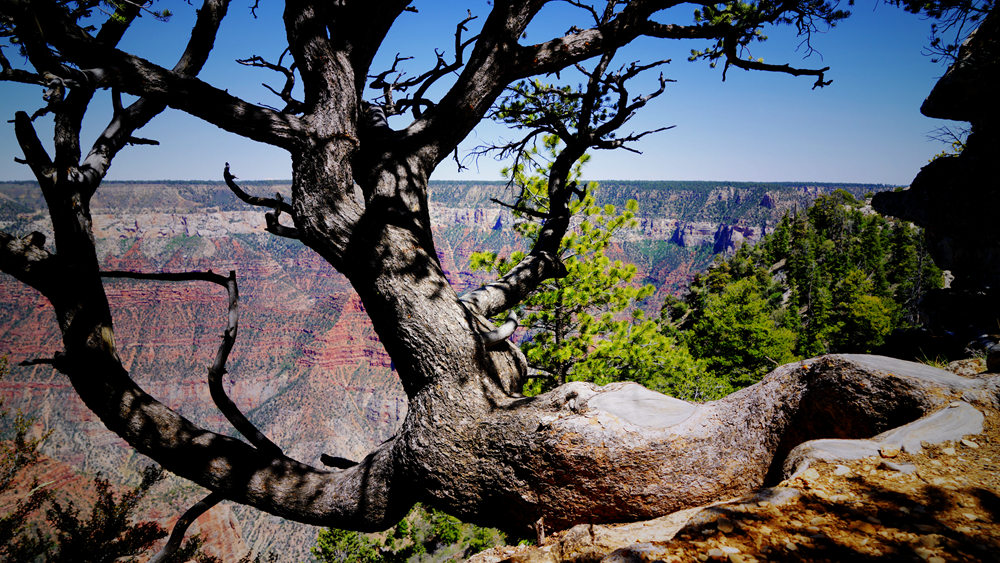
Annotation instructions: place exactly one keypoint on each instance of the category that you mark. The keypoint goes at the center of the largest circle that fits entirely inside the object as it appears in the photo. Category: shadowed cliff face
(307, 367)
(956, 198)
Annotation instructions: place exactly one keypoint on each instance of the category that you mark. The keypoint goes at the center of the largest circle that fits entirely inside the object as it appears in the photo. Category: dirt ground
(940, 505)
(947, 509)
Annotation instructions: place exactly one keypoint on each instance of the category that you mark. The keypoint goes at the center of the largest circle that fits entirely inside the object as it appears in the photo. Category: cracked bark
(469, 444)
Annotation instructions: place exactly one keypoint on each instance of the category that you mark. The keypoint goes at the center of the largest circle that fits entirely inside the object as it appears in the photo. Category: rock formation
(924, 490)
(956, 198)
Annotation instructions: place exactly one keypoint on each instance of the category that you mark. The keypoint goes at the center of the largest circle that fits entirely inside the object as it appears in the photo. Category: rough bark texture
(469, 444)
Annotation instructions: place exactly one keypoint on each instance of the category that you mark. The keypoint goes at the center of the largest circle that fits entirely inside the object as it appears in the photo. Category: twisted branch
(277, 204)
(422, 82)
(218, 369)
(291, 104)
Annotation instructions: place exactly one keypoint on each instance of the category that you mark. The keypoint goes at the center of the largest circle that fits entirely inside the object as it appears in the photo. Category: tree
(824, 281)
(18, 451)
(107, 533)
(423, 533)
(737, 335)
(586, 325)
(337, 546)
(469, 445)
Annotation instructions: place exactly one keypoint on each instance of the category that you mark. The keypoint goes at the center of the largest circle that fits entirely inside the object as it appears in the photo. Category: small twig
(291, 104)
(524, 210)
(141, 141)
(423, 82)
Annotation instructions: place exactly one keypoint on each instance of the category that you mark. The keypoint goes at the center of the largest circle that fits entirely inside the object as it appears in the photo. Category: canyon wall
(307, 367)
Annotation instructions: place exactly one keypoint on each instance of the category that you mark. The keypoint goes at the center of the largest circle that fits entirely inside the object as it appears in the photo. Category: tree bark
(470, 444)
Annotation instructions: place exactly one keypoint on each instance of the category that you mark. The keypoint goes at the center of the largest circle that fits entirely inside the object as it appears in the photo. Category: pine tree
(586, 326)
(835, 278)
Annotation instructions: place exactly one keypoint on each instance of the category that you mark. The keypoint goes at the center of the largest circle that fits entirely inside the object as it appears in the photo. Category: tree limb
(277, 204)
(181, 527)
(26, 259)
(499, 60)
(519, 209)
(424, 81)
(215, 373)
(585, 121)
(733, 59)
(515, 286)
(35, 154)
(8, 73)
(125, 121)
(104, 66)
(291, 104)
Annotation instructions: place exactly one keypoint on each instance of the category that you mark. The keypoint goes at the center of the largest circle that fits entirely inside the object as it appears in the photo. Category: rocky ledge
(926, 491)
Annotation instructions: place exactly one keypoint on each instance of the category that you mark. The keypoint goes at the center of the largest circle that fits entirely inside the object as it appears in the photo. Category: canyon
(307, 367)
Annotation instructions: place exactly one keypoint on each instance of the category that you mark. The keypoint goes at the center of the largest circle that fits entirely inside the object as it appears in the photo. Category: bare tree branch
(8, 73)
(422, 82)
(495, 64)
(277, 204)
(519, 209)
(104, 66)
(253, 200)
(26, 259)
(181, 527)
(733, 59)
(35, 154)
(125, 121)
(218, 369)
(291, 104)
(141, 141)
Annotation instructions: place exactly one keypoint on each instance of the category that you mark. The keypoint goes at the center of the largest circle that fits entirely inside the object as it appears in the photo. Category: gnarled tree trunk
(470, 444)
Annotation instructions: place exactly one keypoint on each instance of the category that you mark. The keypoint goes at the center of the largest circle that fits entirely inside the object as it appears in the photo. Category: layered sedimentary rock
(307, 367)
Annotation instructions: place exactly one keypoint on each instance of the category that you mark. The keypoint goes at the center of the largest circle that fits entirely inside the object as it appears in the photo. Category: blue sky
(865, 127)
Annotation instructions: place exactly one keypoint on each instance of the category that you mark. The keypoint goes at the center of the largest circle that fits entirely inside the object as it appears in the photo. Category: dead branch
(520, 209)
(8, 73)
(291, 104)
(218, 369)
(181, 527)
(422, 82)
(733, 59)
(277, 204)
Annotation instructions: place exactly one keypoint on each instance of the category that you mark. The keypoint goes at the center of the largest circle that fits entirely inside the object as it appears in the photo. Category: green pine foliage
(424, 535)
(18, 540)
(587, 325)
(334, 545)
(107, 533)
(834, 278)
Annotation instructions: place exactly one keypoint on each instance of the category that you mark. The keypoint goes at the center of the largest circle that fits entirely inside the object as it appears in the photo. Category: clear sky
(865, 127)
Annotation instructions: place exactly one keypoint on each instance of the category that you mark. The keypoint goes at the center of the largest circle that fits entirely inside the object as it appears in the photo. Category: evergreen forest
(836, 277)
